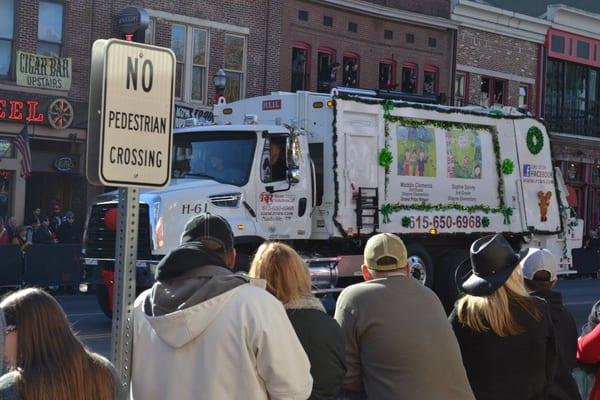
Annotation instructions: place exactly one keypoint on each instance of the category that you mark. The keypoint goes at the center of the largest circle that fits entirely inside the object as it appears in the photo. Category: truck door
(284, 205)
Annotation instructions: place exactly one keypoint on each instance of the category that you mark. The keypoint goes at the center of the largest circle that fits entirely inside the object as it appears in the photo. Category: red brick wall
(439, 8)
(497, 53)
(368, 42)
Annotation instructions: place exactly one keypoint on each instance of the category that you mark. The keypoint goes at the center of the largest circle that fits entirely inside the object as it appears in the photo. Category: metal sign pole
(124, 285)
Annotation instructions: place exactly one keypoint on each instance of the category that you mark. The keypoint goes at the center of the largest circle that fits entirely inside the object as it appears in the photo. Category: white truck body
(443, 182)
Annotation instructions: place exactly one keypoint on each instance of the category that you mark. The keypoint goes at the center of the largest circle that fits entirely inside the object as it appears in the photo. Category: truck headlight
(226, 200)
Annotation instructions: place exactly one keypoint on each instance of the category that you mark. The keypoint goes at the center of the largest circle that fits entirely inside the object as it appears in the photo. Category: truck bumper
(92, 271)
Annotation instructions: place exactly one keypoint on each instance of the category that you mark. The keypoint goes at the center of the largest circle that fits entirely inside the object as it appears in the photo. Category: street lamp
(220, 81)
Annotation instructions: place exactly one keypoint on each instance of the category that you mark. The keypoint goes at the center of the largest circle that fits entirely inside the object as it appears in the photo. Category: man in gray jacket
(399, 344)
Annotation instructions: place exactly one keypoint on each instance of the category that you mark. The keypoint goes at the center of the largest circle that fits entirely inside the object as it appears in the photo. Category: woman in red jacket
(588, 348)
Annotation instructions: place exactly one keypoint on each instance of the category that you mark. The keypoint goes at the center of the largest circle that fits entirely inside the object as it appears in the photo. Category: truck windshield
(225, 157)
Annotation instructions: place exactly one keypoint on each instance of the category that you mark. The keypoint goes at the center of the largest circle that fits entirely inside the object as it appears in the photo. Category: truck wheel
(445, 285)
(421, 264)
(103, 301)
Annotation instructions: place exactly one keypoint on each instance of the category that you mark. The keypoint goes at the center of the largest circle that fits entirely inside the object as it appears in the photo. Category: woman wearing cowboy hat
(505, 336)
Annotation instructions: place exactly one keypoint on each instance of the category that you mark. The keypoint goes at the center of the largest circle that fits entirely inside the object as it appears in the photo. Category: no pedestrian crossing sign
(130, 114)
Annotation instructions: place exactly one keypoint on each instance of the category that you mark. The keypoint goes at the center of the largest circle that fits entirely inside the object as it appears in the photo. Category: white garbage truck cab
(324, 172)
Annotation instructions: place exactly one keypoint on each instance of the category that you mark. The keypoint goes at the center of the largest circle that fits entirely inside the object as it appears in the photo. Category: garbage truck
(324, 172)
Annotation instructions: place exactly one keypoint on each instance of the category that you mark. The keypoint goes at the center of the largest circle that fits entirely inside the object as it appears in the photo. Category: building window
(352, 27)
(300, 66)
(50, 28)
(326, 69)
(233, 63)
(524, 97)
(409, 78)
(303, 15)
(492, 92)
(410, 38)
(387, 75)
(430, 80)
(190, 47)
(7, 18)
(327, 20)
(583, 49)
(432, 42)
(149, 33)
(460, 89)
(388, 34)
(557, 44)
(351, 65)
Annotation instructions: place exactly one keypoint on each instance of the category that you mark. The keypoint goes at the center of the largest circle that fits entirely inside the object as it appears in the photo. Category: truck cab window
(274, 165)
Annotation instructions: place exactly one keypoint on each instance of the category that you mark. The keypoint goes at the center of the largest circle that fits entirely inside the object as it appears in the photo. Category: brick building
(368, 44)
(243, 38)
(572, 105)
(50, 95)
(499, 57)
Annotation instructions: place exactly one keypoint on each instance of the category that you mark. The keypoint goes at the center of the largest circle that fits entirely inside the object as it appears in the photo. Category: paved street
(94, 327)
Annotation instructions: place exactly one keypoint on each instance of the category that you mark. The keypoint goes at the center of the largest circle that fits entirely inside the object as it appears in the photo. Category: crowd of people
(205, 332)
(52, 228)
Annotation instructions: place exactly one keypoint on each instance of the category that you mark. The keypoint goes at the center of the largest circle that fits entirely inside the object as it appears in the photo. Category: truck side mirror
(294, 174)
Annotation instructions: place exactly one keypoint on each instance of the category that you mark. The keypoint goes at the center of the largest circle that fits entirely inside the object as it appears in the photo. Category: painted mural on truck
(416, 151)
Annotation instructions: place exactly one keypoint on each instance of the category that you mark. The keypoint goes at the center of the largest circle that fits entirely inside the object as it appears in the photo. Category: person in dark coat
(506, 337)
(540, 273)
(43, 234)
(288, 279)
(67, 231)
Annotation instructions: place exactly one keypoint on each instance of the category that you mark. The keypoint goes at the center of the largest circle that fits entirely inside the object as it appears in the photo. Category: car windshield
(225, 157)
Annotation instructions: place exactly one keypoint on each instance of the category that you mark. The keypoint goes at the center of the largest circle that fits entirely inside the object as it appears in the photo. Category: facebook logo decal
(527, 170)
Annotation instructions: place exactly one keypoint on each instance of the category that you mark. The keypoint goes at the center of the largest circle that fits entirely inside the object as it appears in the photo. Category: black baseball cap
(207, 226)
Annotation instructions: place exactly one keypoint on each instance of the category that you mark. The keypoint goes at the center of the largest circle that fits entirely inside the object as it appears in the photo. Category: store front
(56, 129)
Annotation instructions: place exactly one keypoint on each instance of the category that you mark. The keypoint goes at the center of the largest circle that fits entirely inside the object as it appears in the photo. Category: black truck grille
(100, 242)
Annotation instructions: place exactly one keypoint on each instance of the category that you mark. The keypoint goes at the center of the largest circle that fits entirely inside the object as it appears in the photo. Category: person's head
(22, 231)
(214, 233)
(593, 319)
(45, 221)
(286, 273)
(477, 170)
(70, 216)
(493, 287)
(216, 162)
(51, 361)
(384, 255)
(37, 211)
(12, 222)
(539, 269)
(275, 151)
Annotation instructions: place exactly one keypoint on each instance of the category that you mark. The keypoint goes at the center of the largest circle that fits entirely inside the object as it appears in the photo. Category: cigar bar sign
(130, 124)
(43, 72)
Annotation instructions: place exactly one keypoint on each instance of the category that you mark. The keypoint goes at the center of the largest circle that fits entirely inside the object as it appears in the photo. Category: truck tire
(421, 264)
(445, 283)
(103, 302)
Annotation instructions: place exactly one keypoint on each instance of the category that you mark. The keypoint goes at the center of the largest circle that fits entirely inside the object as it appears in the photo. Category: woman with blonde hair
(505, 336)
(45, 359)
(288, 279)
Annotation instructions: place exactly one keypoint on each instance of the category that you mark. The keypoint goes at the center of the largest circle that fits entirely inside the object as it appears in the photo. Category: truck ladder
(367, 210)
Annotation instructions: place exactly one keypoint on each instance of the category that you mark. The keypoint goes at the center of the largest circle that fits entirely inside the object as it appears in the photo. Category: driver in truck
(278, 165)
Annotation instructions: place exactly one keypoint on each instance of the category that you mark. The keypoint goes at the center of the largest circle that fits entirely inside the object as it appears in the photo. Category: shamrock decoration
(507, 212)
(508, 166)
(386, 210)
(388, 106)
(405, 222)
(385, 157)
(535, 140)
(485, 222)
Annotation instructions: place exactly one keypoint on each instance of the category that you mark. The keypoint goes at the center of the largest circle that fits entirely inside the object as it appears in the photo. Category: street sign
(130, 114)
(130, 119)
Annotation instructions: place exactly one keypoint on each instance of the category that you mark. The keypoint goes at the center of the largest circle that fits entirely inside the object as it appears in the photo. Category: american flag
(22, 144)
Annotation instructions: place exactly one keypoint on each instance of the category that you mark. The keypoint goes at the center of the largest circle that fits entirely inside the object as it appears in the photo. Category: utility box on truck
(325, 172)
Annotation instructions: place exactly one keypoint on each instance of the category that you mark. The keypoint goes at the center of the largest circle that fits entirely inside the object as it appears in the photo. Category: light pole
(220, 81)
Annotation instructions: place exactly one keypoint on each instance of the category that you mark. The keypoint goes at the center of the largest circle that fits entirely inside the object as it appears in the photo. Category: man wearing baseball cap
(399, 343)
(203, 332)
(540, 273)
